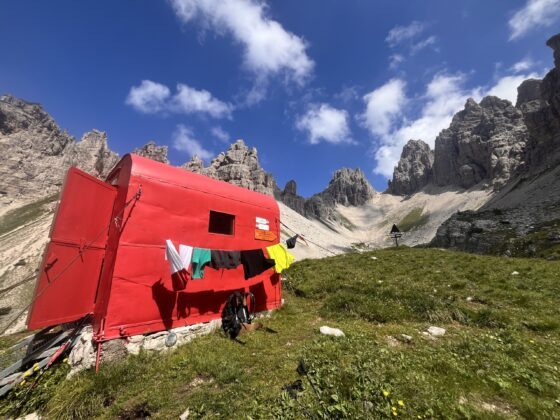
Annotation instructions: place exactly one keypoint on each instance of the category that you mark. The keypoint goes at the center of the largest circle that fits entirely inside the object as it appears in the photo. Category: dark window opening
(222, 223)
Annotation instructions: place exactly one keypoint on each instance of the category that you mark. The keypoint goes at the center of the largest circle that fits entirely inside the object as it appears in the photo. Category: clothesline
(306, 239)
(190, 262)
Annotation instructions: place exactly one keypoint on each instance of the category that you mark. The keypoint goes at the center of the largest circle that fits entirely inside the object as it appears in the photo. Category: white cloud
(149, 97)
(395, 60)
(382, 105)
(392, 128)
(431, 40)
(535, 14)
(268, 48)
(184, 141)
(323, 122)
(506, 87)
(188, 100)
(522, 65)
(152, 97)
(347, 94)
(400, 34)
(220, 134)
(392, 124)
(403, 38)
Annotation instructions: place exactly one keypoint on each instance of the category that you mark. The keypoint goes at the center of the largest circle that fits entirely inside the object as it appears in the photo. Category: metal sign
(395, 234)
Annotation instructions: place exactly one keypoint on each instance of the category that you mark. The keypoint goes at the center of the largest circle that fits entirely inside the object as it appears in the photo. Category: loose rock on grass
(335, 332)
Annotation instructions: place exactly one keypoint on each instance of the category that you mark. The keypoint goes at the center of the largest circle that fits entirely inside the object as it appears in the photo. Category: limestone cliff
(523, 218)
(152, 151)
(36, 152)
(414, 169)
(484, 146)
(239, 165)
(484, 143)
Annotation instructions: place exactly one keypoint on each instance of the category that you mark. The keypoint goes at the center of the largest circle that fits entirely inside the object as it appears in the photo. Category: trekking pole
(304, 408)
(53, 358)
(302, 370)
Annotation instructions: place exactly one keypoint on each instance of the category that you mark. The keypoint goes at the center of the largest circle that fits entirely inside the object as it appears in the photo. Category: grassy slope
(22, 215)
(413, 219)
(499, 358)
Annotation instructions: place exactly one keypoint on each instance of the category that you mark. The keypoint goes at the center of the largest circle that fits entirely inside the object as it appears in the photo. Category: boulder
(335, 332)
(436, 331)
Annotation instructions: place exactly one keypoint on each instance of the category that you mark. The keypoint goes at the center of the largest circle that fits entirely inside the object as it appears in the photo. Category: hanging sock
(179, 274)
(254, 262)
(291, 242)
(200, 258)
(225, 259)
(282, 258)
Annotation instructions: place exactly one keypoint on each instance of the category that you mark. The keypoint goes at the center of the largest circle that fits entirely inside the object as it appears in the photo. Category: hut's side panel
(176, 205)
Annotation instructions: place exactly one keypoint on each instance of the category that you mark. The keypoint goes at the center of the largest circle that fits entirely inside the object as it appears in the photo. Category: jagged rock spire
(238, 165)
(152, 151)
(414, 169)
(36, 152)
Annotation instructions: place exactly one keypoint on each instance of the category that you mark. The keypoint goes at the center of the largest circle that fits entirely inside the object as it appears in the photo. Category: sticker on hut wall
(262, 230)
(262, 223)
(265, 235)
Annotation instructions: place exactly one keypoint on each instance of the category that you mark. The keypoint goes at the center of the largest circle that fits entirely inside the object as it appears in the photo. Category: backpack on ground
(239, 310)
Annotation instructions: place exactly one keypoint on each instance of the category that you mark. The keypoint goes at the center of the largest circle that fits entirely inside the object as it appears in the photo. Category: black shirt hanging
(225, 259)
(254, 262)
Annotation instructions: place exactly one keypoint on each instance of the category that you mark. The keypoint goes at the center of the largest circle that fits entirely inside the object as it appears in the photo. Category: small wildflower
(394, 408)
(22, 383)
(385, 393)
(401, 403)
(532, 341)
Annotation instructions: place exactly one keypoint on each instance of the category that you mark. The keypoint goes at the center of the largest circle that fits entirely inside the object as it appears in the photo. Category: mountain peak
(414, 169)
(152, 151)
(238, 165)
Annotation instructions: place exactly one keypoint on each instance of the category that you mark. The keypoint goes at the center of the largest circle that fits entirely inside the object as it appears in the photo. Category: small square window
(222, 223)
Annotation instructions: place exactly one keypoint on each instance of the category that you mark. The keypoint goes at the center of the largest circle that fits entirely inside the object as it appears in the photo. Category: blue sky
(314, 85)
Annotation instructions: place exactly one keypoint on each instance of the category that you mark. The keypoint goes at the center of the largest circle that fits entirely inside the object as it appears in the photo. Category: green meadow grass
(413, 219)
(20, 216)
(500, 356)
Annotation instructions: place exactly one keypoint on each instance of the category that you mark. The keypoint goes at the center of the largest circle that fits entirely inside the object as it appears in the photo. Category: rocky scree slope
(523, 218)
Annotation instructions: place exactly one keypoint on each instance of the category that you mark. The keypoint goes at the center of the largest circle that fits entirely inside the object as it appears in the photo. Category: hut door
(69, 274)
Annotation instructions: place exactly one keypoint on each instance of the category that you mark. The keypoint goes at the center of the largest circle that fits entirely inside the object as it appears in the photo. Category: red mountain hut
(106, 254)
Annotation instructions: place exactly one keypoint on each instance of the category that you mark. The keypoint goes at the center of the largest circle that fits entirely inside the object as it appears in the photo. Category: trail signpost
(395, 234)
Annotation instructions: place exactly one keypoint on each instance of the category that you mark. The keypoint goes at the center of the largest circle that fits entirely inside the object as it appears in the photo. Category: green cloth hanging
(200, 258)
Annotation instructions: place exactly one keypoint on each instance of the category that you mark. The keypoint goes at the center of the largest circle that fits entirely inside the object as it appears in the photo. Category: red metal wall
(69, 275)
(137, 296)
